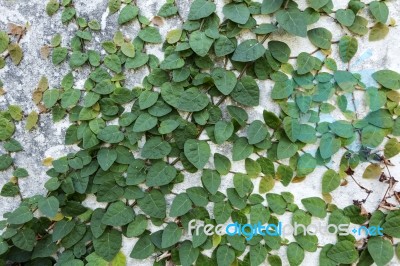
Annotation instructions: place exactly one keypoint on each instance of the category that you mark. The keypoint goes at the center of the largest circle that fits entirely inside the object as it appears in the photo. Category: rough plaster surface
(47, 139)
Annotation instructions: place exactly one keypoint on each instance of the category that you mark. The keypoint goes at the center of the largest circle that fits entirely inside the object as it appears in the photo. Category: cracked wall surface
(47, 140)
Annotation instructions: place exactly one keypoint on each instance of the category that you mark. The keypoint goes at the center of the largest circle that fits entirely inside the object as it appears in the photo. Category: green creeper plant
(137, 143)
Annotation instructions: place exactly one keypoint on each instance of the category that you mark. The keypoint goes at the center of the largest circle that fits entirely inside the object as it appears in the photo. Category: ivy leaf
(286, 149)
(256, 132)
(108, 244)
(181, 205)
(248, 50)
(128, 13)
(20, 215)
(379, 10)
(242, 184)
(378, 32)
(31, 120)
(25, 239)
(171, 235)
(372, 171)
(270, 6)
(106, 157)
(153, 204)
(200, 43)
(156, 148)
(77, 59)
(295, 254)
(110, 134)
(150, 35)
(224, 80)
(306, 164)
(58, 55)
(293, 21)
(7, 129)
(222, 211)
(173, 61)
(279, 50)
(330, 181)
(201, 9)
(316, 206)
(143, 248)
(381, 250)
(241, 149)
(392, 148)
(144, 122)
(380, 118)
(388, 78)
(223, 46)
(15, 53)
(317, 4)
(305, 63)
(118, 214)
(49, 206)
(348, 47)
(197, 152)
(343, 252)
(238, 13)
(246, 92)
(187, 253)
(359, 26)
(329, 145)
(225, 255)
(211, 180)
(320, 37)
(345, 17)
(223, 130)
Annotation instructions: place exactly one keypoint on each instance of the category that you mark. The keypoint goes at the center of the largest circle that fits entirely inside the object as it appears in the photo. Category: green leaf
(257, 132)
(106, 157)
(246, 92)
(307, 242)
(20, 215)
(49, 206)
(343, 252)
(197, 152)
(144, 122)
(248, 50)
(7, 129)
(15, 52)
(224, 80)
(372, 136)
(380, 118)
(68, 14)
(330, 181)
(127, 14)
(286, 149)
(276, 203)
(238, 13)
(62, 228)
(241, 149)
(108, 244)
(25, 239)
(295, 254)
(58, 55)
(388, 78)
(380, 11)
(243, 184)
(225, 255)
(359, 26)
(293, 21)
(171, 235)
(345, 17)
(211, 180)
(118, 214)
(381, 250)
(320, 37)
(143, 248)
(192, 100)
(378, 32)
(222, 211)
(348, 47)
(200, 43)
(305, 63)
(77, 59)
(316, 206)
(50, 98)
(329, 145)
(181, 205)
(173, 61)
(137, 226)
(160, 173)
(187, 253)
(391, 226)
(201, 9)
(306, 164)
(4, 40)
(150, 35)
(223, 46)
(223, 130)
(110, 134)
(342, 128)
(392, 148)
(279, 50)
(270, 6)
(156, 148)
(128, 49)
(153, 204)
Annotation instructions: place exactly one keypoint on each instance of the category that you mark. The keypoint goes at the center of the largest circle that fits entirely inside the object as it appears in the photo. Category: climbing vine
(138, 144)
